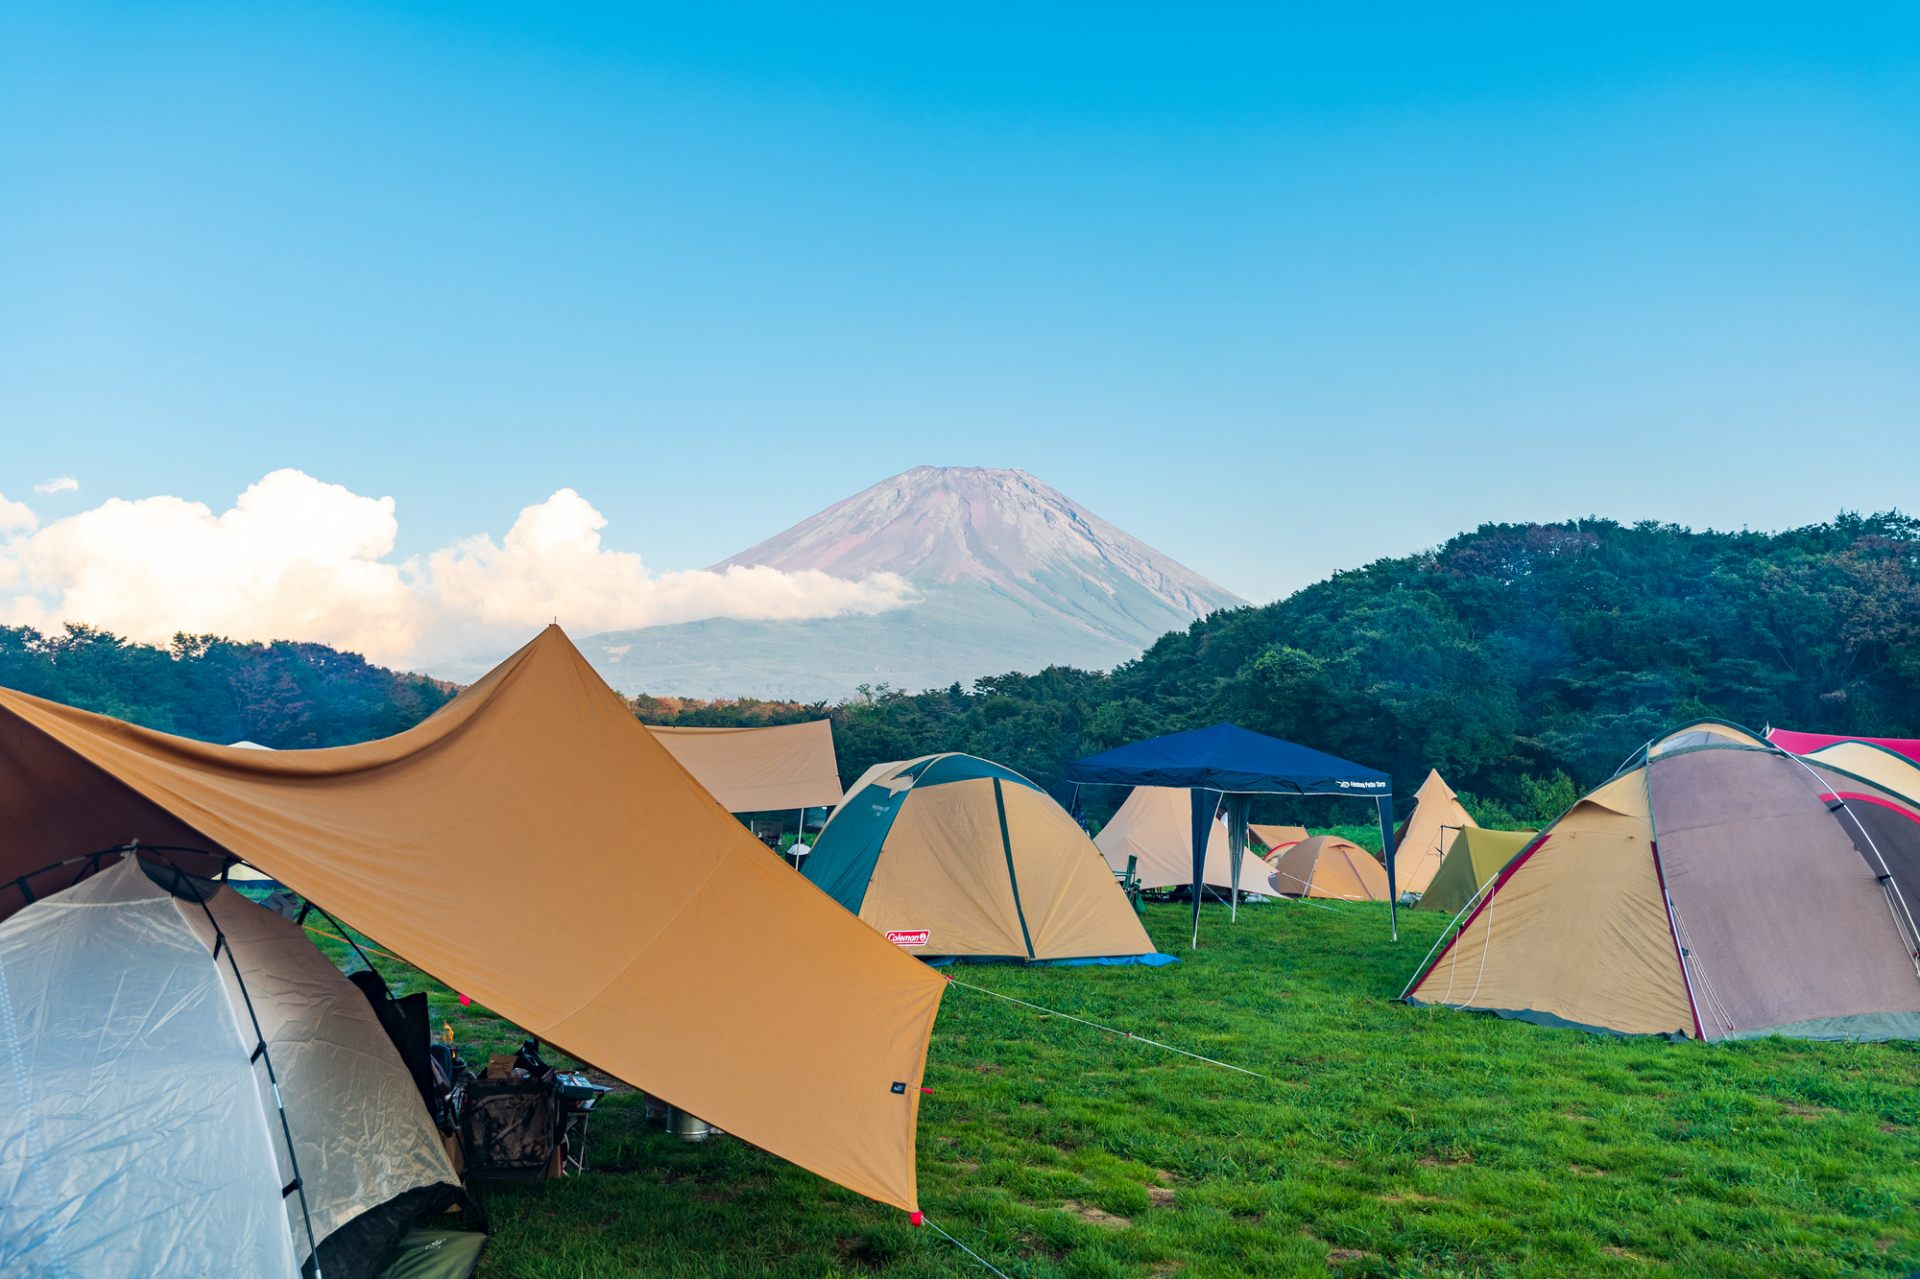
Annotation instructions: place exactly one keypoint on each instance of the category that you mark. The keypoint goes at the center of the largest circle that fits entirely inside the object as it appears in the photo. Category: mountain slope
(1011, 574)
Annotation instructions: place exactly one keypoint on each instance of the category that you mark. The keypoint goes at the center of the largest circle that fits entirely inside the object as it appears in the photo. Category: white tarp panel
(359, 1129)
(132, 1141)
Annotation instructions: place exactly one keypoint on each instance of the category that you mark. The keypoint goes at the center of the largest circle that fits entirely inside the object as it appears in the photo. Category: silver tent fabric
(360, 1131)
(1783, 921)
(137, 1138)
(132, 1141)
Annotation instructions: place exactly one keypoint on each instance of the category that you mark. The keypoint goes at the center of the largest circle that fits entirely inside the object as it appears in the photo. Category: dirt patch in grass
(1160, 1196)
(1097, 1216)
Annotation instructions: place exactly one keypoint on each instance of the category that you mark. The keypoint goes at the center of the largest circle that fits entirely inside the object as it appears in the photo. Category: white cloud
(15, 517)
(58, 485)
(296, 558)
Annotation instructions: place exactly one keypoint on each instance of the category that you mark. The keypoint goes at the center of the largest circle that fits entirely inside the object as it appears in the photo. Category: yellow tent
(759, 770)
(533, 846)
(1475, 858)
(1328, 866)
(955, 855)
(1436, 820)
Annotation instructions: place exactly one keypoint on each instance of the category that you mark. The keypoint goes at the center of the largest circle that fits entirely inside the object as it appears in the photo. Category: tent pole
(1388, 851)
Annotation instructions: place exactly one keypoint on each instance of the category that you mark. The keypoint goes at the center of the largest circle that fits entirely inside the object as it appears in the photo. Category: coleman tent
(1328, 866)
(1154, 829)
(1226, 765)
(1435, 822)
(158, 1041)
(953, 855)
(1277, 838)
(1717, 888)
(1475, 858)
(533, 846)
(759, 770)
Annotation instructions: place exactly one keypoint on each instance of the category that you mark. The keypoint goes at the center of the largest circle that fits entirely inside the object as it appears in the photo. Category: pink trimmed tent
(1807, 743)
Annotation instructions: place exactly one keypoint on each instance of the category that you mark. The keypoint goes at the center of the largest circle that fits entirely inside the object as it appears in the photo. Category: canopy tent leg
(1238, 807)
(1206, 806)
(1389, 852)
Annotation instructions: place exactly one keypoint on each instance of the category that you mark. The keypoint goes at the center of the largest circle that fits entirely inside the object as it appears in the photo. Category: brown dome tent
(1717, 888)
(1328, 866)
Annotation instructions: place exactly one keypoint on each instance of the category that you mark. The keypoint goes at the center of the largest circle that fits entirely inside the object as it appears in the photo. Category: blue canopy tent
(1228, 762)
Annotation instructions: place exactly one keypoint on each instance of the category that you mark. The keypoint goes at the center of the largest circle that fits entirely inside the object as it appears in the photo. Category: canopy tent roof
(1807, 743)
(758, 770)
(1718, 888)
(957, 855)
(1475, 858)
(1328, 866)
(533, 846)
(1154, 829)
(1230, 759)
(1437, 819)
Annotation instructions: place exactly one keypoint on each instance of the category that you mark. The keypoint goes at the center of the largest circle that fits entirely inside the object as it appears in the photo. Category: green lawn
(1385, 1140)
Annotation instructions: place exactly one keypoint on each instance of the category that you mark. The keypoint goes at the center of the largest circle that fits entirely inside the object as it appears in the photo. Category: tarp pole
(1388, 851)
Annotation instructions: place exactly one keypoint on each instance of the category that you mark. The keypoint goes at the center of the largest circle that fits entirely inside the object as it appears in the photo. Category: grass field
(1384, 1140)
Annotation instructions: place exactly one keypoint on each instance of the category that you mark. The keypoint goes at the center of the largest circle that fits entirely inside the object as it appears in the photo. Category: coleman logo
(907, 936)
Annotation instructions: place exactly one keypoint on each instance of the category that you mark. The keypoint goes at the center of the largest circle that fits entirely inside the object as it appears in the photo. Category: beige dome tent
(1278, 838)
(1422, 843)
(141, 1133)
(1154, 825)
(1717, 888)
(1328, 866)
(955, 855)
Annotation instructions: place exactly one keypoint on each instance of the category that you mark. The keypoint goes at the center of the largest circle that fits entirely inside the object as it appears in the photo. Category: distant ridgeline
(1519, 659)
(284, 695)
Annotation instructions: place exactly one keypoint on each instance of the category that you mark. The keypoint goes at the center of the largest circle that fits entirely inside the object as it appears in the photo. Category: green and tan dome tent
(955, 855)
(1477, 855)
(1716, 888)
(1424, 841)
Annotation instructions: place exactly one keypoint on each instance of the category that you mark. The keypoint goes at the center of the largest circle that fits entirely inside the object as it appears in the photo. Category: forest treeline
(284, 695)
(1521, 660)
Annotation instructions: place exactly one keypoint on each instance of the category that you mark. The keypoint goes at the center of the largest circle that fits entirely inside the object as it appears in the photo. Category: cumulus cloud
(15, 517)
(58, 485)
(297, 558)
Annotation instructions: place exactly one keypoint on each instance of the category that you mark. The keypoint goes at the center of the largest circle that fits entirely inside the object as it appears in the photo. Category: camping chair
(1130, 881)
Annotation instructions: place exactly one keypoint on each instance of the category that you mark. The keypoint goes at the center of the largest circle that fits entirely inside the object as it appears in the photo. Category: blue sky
(1278, 290)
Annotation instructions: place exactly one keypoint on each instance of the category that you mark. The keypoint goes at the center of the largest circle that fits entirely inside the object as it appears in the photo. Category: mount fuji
(1008, 574)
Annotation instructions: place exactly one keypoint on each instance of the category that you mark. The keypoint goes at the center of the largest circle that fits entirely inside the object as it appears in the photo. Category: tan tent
(1422, 843)
(533, 846)
(1717, 888)
(1475, 858)
(1278, 838)
(955, 855)
(759, 770)
(1328, 866)
(1154, 825)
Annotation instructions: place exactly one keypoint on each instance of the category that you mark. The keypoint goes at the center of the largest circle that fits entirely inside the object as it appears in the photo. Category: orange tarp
(533, 846)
